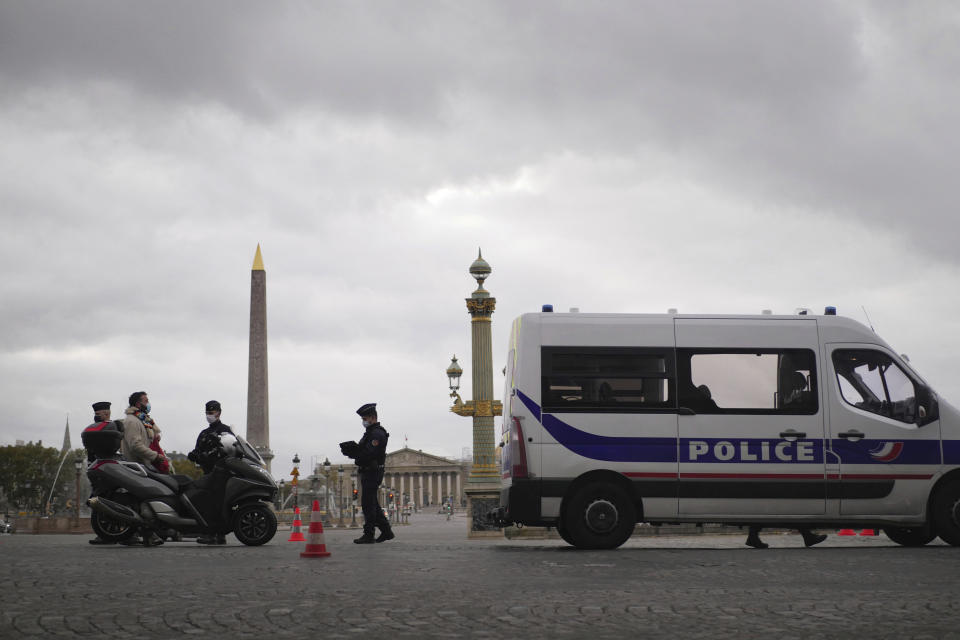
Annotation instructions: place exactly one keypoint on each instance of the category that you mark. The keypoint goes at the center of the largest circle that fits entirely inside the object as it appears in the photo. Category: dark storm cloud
(401, 60)
(832, 104)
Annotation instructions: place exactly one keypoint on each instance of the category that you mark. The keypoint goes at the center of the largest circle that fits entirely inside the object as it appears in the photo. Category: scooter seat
(181, 479)
(166, 479)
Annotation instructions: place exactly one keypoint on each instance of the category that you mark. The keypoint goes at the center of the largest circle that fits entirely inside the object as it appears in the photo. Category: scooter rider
(370, 455)
(206, 454)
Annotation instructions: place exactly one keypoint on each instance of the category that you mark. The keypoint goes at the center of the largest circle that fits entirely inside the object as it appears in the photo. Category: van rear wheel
(600, 516)
(946, 513)
(911, 536)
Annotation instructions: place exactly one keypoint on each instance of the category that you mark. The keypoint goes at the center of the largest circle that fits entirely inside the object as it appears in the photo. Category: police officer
(206, 454)
(370, 455)
(207, 451)
(101, 416)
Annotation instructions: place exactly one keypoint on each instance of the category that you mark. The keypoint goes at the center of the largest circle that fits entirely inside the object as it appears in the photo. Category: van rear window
(607, 379)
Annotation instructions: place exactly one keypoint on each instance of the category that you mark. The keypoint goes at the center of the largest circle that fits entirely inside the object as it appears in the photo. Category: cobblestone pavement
(432, 582)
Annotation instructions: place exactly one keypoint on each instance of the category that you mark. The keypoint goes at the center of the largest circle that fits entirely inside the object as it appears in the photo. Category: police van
(787, 421)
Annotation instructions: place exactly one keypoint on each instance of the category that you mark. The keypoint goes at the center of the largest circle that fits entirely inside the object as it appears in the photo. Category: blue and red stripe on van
(751, 451)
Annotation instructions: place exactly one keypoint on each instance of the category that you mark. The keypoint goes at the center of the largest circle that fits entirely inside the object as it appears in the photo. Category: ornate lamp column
(483, 484)
(295, 482)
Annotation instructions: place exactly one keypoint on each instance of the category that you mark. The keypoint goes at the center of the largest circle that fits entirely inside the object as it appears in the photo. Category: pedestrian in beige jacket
(141, 435)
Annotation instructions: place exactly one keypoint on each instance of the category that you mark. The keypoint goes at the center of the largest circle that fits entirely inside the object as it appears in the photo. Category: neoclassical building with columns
(422, 479)
(425, 479)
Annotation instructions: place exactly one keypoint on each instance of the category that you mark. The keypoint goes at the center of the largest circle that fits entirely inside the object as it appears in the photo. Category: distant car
(6, 527)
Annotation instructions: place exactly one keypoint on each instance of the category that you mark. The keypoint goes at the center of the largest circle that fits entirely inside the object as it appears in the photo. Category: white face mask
(211, 419)
(367, 423)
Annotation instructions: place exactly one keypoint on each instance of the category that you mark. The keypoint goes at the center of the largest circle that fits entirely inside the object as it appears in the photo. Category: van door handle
(791, 436)
(853, 434)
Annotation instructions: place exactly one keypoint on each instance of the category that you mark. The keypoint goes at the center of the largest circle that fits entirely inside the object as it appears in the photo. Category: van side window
(870, 380)
(747, 381)
(607, 379)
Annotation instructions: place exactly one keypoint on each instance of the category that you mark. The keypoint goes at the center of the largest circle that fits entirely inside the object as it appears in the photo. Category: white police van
(614, 419)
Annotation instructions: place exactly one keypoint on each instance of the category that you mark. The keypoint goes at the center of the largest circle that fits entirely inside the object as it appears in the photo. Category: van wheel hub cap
(601, 516)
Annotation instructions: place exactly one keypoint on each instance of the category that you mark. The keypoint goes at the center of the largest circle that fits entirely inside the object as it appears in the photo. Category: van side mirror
(928, 409)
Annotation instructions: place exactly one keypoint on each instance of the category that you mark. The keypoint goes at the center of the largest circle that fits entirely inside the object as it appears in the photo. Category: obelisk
(258, 406)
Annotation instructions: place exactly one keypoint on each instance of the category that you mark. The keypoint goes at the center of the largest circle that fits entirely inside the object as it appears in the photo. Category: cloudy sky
(613, 156)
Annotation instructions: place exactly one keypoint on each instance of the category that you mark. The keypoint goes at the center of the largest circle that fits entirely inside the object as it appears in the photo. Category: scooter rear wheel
(110, 530)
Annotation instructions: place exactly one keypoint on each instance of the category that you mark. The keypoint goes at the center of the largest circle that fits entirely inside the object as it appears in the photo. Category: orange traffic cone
(846, 532)
(868, 532)
(295, 535)
(316, 547)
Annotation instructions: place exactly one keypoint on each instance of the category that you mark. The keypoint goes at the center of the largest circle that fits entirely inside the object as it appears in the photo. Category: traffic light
(355, 492)
(391, 496)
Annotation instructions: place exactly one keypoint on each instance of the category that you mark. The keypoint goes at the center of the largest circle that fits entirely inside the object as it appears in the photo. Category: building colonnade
(424, 488)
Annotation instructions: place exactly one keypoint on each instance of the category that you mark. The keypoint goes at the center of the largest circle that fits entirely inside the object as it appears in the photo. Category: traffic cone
(316, 547)
(868, 532)
(295, 535)
(846, 532)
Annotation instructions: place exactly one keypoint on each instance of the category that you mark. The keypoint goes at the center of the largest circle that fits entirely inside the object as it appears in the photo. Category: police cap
(100, 406)
(213, 405)
(368, 409)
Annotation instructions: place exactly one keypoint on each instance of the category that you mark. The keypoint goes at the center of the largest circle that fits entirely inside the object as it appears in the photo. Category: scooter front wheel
(254, 524)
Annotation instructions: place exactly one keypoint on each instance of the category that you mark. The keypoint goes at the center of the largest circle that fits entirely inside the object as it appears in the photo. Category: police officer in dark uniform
(370, 455)
(101, 418)
(206, 454)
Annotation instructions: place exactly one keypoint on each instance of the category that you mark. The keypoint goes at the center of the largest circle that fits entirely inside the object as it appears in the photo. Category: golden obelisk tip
(257, 260)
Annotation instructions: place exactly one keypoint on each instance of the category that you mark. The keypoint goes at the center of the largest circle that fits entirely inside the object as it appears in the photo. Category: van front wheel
(562, 530)
(600, 516)
(910, 536)
(946, 513)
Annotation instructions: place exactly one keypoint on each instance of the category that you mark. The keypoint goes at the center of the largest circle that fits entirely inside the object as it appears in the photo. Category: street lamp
(78, 465)
(326, 488)
(353, 501)
(454, 371)
(340, 493)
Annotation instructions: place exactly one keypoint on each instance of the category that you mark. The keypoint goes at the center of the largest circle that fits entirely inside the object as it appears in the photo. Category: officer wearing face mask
(206, 454)
(207, 451)
(370, 454)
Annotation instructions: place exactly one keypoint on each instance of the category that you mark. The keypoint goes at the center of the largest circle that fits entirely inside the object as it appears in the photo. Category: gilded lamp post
(483, 484)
